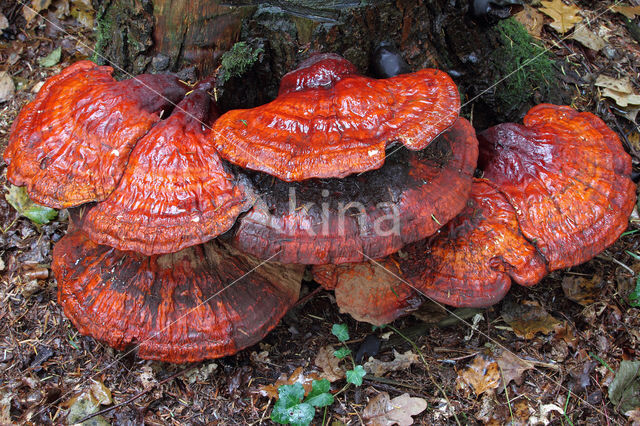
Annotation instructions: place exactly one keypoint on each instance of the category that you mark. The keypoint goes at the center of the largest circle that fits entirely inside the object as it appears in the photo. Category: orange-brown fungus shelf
(188, 306)
(369, 215)
(555, 192)
(175, 192)
(568, 178)
(318, 130)
(71, 144)
(369, 292)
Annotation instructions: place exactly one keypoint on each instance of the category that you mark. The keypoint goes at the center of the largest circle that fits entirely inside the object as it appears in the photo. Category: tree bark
(188, 36)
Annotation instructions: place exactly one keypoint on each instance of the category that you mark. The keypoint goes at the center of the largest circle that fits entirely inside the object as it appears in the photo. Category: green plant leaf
(290, 409)
(19, 200)
(340, 331)
(624, 391)
(355, 376)
(634, 296)
(319, 395)
(52, 58)
(341, 353)
(298, 415)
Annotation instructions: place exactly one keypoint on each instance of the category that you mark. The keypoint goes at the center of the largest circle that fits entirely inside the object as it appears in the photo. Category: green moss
(238, 60)
(522, 66)
(103, 38)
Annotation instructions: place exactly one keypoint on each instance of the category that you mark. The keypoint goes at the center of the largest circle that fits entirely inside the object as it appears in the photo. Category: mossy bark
(189, 36)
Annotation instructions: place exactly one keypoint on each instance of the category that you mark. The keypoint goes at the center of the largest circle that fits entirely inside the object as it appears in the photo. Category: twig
(309, 296)
(138, 395)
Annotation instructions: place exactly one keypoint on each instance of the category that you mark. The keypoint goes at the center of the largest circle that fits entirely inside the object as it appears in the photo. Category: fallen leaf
(297, 376)
(588, 38)
(52, 58)
(512, 367)
(400, 362)
(7, 88)
(581, 290)
(564, 332)
(329, 364)
(19, 200)
(531, 19)
(383, 411)
(624, 391)
(545, 412)
(481, 375)
(564, 16)
(628, 11)
(4, 22)
(618, 89)
(147, 377)
(634, 416)
(528, 319)
(83, 12)
(5, 407)
(32, 10)
(202, 373)
(88, 402)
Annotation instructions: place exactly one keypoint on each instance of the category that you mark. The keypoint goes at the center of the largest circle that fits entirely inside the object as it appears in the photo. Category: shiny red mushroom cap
(318, 71)
(206, 301)
(313, 130)
(175, 192)
(568, 178)
(71, 144)
(369, 215)
(469, 263)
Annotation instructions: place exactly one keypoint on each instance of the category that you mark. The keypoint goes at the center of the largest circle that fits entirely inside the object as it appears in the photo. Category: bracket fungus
(175, 192)
(568, 178)
(71, 144)
(369, 215)
(206, 301)
(329, 122)
(555, 192)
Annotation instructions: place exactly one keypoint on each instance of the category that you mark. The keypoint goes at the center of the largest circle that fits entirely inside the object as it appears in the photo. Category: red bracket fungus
(556, 192)
(369, 215)
(568, 178)
(175, 192)
(206, 301)
(330, 122)
(71, 144)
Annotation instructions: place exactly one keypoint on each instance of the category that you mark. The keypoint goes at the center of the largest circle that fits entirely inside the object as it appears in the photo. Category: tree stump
(190, 36)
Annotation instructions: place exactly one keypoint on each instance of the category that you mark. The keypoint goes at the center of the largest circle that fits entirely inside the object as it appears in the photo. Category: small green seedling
(292, 406)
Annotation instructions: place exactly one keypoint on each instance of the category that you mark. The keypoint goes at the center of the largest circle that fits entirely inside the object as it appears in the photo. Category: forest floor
(546, 354)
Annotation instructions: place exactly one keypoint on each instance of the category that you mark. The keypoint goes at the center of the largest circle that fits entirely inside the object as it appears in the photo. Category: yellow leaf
(564, 16)
(628, 11)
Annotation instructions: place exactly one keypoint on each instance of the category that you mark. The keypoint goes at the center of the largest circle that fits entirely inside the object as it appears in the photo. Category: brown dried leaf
(4, 22)
(588, 38)
(582, 290)
(628, 11)
(383, 411)
(564, 16)
(531, 19)
(480, 376)
(528, 319)
(7, 88)
(297, 376)
(30, 11)
(512, 367)
(329, 364)
(618, 89)
(400, 362)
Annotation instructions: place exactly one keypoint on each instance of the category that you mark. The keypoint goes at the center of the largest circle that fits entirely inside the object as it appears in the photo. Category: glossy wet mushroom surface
(203, 302)
(175, 192)
(556, 191)
(372, 214)
(71, 144)
(329, 123)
